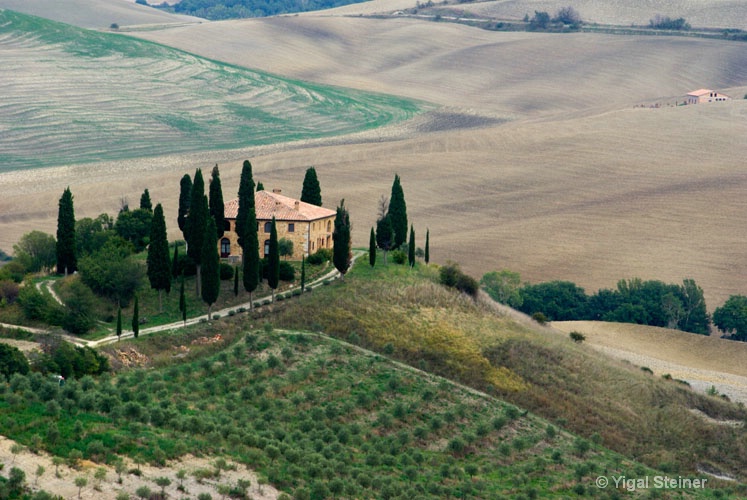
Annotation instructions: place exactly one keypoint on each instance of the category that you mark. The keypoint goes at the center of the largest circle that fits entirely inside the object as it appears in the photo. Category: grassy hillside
(643, 417)
(75, 96)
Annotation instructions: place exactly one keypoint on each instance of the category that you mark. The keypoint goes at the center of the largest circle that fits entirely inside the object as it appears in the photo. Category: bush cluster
(450, 275)
(320, 257)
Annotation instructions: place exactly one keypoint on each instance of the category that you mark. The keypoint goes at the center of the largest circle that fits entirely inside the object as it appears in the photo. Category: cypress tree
(385, 235)
(341, 255)
(372, 248)
(411, 248)
(246, 203)
(175, 261)
(136, 318)
(145, 202)
(185, 197)
(273, 260)
(196, 222)
(311, 192)
(183, 302)
(303, 273)
(251, 276)
(67, 261)
(210, 269)
(159, 265)
(427, 246)
(119, 322)
(236, 281)
(398, 213)
(260, 187)
(217, 208)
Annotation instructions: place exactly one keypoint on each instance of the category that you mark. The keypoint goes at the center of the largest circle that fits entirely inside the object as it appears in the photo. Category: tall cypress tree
(196, 222)
(159, 264)
(385, 235)
(273, 260)
(246, 203)
(411, 248)
(217, 208)
(145, 202)
(185, 197)
(341, 255)
(251, 277)
(210, 268)
(183, 302)
(175, 261)
(427, 246)
(119, 322)
(136, 318)
(311, 192)
(372, 248)
(303, 273)
(236, 281)
(67, 261)
(398, 213)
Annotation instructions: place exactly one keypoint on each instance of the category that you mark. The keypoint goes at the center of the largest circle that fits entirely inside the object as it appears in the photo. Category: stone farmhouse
(309, 227)
(705, 95)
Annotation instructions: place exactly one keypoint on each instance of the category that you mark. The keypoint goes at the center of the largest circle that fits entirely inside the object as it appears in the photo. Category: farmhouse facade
(705, 95)
(309, 227)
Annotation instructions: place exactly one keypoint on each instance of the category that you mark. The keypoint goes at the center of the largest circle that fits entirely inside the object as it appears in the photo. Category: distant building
(705, 95)
(309, 227)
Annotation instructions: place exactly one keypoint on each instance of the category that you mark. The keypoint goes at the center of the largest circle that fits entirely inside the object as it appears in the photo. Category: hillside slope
(74, 95)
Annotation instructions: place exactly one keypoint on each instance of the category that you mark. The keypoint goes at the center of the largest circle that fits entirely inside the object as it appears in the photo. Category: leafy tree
(145, 202)
(667, 23)
(80, 304)
(92, 234)
(67, 261)
(285, 247)
(411, 248)
(540, 21)
(159, 265)
(557, 300)
(503, 287)
(695, 317)
(134, 226)
(568, 15)
(163, 482)
(136, 318)
(185, 198)
(81, 483)
(217, 208)
(311, 192)
(210, 268)
(731, 318)
(12, 361)
(273, 260)
(113, 272)
(372, 249)
(37, 251)
(427, 257)
(246, 203)
(398, 213)
(251, 271)
(341, 255)
(119, 322)
(385, 235)
(196, 222)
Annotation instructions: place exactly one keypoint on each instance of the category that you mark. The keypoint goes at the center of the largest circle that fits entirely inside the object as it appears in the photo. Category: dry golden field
(540, 158)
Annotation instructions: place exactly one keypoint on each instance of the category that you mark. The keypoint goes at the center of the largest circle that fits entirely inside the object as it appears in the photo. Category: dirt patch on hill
(63, 483)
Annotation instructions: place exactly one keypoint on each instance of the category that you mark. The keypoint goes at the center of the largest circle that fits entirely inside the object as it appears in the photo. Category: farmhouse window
(268, 227)
(291, 227)
(267, 248)
(225, 248)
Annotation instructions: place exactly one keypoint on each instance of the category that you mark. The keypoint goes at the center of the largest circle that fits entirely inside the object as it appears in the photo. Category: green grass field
(75, 96)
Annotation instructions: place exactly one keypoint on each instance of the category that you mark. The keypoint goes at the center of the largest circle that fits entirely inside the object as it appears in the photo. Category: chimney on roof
(276, 191)
(296, 205)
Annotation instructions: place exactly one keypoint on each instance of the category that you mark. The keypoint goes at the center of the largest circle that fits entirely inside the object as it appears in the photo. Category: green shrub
(320, 257)
(539, 318)
(398, 256)
(286, 271)
(577, 337)
(226, 271)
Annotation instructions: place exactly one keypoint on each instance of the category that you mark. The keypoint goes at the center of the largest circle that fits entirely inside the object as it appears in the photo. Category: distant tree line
(233, 9)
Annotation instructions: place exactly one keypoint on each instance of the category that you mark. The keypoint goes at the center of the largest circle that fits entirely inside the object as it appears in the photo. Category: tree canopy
(311, 192)
(67, 261)
(217, 207)
(341, 255)
(159, 261)
(398, 213)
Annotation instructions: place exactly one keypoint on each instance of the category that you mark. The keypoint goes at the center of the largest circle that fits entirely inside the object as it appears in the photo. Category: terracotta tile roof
(699, 92)
(269, 205)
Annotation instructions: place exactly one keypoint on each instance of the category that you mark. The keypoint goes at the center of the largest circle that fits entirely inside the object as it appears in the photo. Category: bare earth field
(703, 361)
